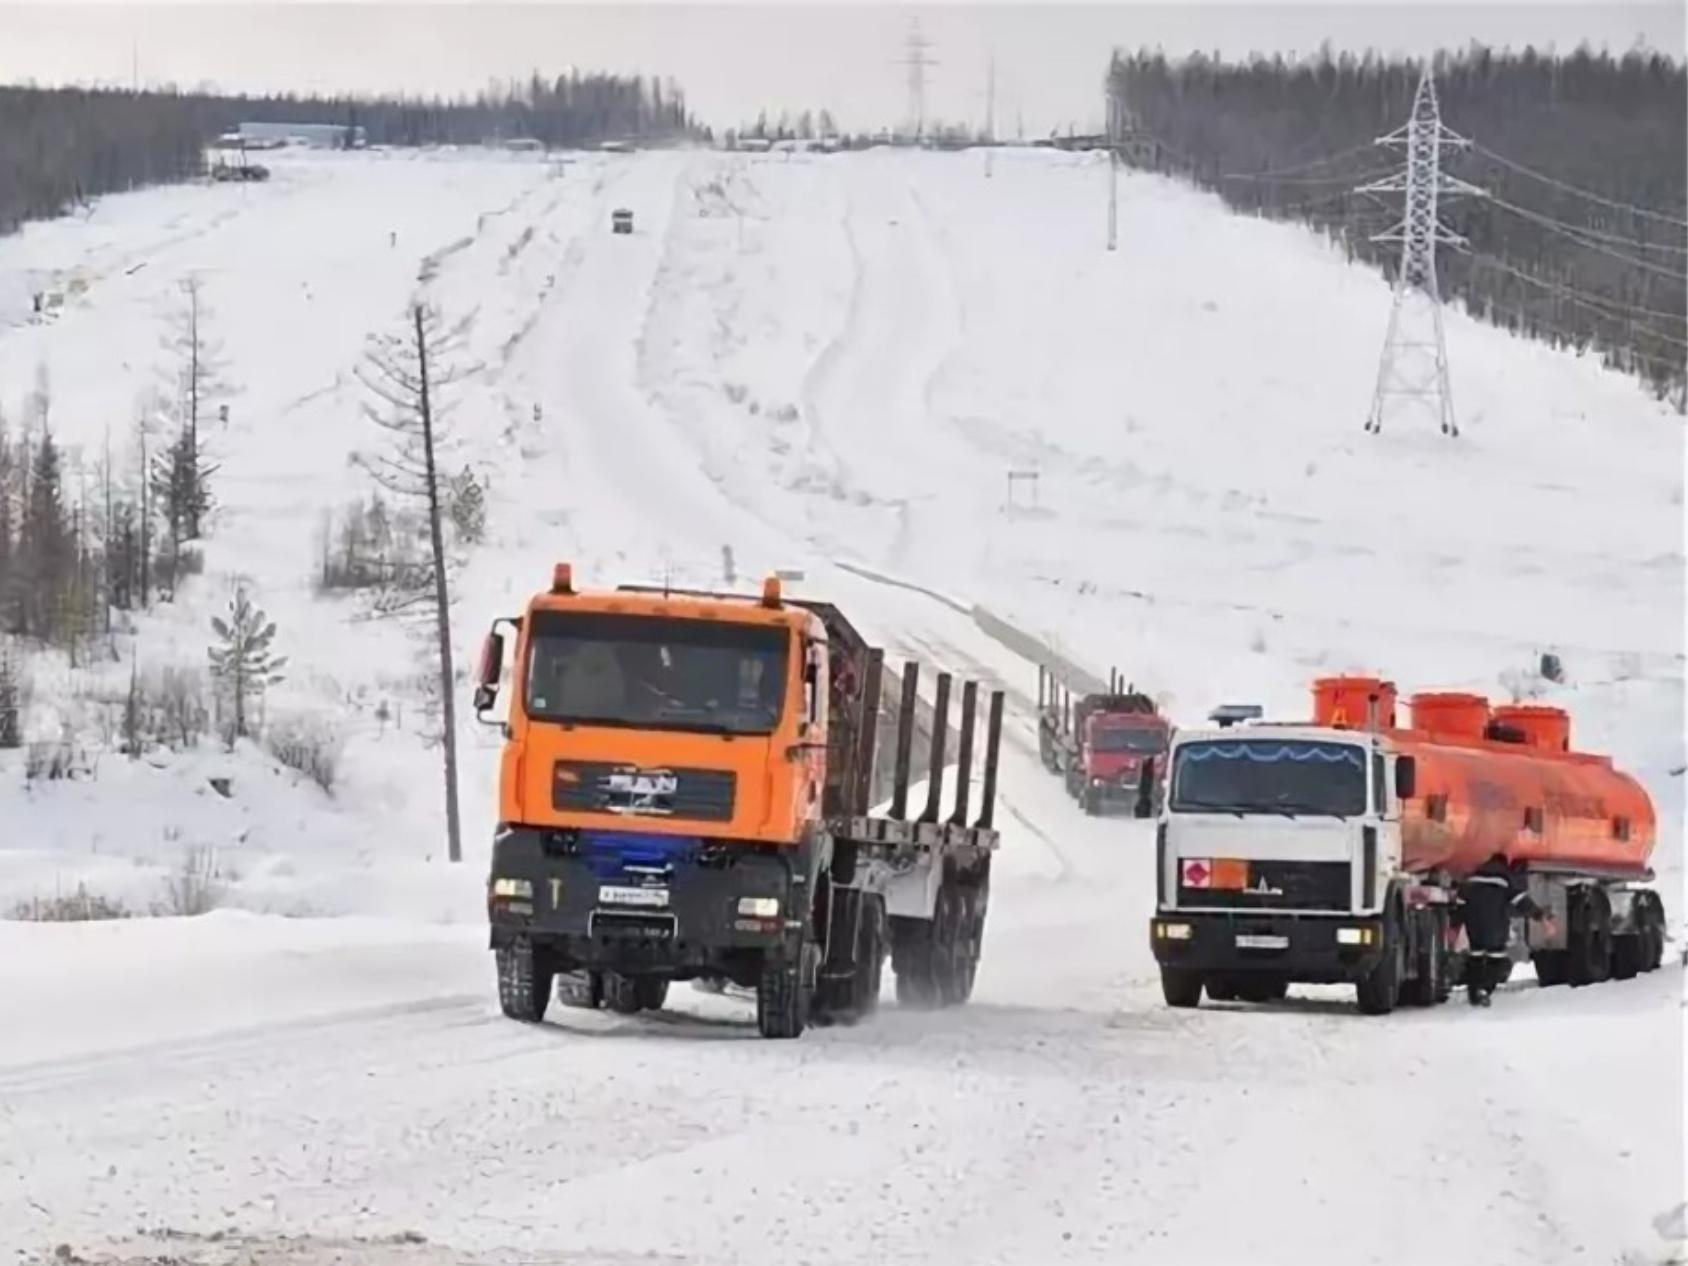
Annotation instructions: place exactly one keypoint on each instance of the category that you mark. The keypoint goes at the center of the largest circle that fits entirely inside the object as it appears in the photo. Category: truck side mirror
(486, 681)
(1406, 777)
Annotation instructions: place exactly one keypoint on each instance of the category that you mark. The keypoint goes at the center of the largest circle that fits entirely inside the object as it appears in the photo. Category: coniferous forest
(1582, 239)
(62, 146)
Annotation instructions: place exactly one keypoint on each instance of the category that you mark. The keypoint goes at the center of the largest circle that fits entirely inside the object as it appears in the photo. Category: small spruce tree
(242, 662)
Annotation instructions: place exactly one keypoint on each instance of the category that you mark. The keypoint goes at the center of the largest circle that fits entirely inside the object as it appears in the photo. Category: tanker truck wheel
(1379, 990)
(623, 994)
(1181, 987)
(1429, 985)
(1591, 937)
(582, 989)
(524, 985)
(1653, 935)
(1552, 967)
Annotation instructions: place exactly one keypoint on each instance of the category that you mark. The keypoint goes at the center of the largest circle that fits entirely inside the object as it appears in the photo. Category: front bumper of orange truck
(624, 901)
(1309, 948)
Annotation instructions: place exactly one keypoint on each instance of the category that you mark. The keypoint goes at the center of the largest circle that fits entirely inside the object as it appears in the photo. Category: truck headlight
(1173, 931)
(516, 889)
(1353, 936)
(759, 907)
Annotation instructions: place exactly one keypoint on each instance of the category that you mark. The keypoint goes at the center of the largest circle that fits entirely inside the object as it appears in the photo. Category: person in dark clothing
(1488, 899)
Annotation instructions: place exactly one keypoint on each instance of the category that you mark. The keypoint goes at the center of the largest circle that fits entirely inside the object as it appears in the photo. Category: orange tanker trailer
(1330, 851)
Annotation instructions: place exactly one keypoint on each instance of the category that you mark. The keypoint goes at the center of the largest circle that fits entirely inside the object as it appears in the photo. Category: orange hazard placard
(1230, 872)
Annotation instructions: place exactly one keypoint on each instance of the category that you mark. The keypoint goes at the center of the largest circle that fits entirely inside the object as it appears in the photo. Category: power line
(1311, 180)
(1580, 342)
(1584, 193)
(1609, 308)
(1311, 163)
(1675, 274)
(1584, 231)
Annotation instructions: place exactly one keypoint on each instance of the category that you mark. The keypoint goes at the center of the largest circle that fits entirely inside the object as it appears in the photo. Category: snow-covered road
(804, 363)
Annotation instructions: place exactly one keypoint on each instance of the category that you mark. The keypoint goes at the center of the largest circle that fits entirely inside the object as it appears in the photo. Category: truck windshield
(1260, 775)
(1132, 740)
(632, 670)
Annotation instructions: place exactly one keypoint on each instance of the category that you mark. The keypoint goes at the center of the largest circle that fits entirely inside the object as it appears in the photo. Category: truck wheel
(1653, 934)
(1426, 988)
(1591, 938)
(582, 989)
(1261, 988)
(870, 961)
(949, 946)
(1379, 989)
(1628, 951)
(622, 994)
(974, 907)
(652, 991)
(781, 1000)
(912, 961)
(1181, 987)
(1092, 802)
(524, 986)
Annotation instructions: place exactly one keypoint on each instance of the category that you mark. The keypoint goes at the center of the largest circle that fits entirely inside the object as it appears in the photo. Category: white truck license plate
(615, 895)
(1247, 940)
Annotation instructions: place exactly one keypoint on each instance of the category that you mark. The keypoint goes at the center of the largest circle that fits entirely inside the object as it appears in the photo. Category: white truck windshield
(1290, 777)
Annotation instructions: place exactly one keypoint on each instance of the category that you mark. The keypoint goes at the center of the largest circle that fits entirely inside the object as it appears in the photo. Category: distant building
(314, 135)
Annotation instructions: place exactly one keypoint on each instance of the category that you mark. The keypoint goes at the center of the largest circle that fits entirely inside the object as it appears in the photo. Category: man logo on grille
(646, 791)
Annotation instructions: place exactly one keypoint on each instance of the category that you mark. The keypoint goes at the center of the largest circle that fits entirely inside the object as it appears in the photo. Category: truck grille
(1278, 886)
(705, 795)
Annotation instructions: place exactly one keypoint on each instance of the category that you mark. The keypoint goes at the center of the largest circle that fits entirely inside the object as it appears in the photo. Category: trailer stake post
(940, 732)
(964, 756)
(861, 795)
(905, 741)
(993, 747)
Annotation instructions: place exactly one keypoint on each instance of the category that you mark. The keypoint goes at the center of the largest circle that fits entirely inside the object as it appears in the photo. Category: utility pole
(1113, 170)
(1414, 365)
(916, 61)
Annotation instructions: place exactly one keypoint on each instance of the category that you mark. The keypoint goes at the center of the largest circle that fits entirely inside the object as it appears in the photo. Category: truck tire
(1653, 935)
(1377, 992)
(623, 994)
(870, 961)
(782, 1003)
(524, 985)
(1092, 802)
(581, 989)
(652, 991)
(1427, 987)
(949, 945)
(1261, 988)
(1181, 987)
(1552, 967)
(1591, 937)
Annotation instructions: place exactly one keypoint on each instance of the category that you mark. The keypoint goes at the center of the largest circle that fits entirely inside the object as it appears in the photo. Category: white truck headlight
(1173, 931)
(759, 907)
(518, 889)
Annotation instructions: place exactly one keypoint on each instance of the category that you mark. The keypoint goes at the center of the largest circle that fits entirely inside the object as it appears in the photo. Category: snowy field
(829, 363)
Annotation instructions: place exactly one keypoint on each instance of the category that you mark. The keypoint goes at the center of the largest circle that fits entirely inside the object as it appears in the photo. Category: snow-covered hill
(832, 363)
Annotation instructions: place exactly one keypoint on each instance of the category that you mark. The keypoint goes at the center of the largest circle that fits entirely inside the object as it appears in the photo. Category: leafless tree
(405, 375)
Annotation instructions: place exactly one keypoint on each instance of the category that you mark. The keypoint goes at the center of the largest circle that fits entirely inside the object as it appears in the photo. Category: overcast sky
(733, 60)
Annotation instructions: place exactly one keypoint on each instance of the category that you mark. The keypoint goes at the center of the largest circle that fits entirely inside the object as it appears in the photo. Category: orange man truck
(688, 791)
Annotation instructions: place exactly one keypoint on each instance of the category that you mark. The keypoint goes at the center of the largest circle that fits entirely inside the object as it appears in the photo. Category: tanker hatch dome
(1450, 715)
(1354, 703)
(1545, 728)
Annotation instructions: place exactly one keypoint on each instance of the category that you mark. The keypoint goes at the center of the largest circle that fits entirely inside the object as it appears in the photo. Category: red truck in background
(1108, 746)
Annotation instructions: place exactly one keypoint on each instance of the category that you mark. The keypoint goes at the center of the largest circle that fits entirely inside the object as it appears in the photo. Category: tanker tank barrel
(940, 731)
(993, 749)
(964, 754)
(905, 741)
